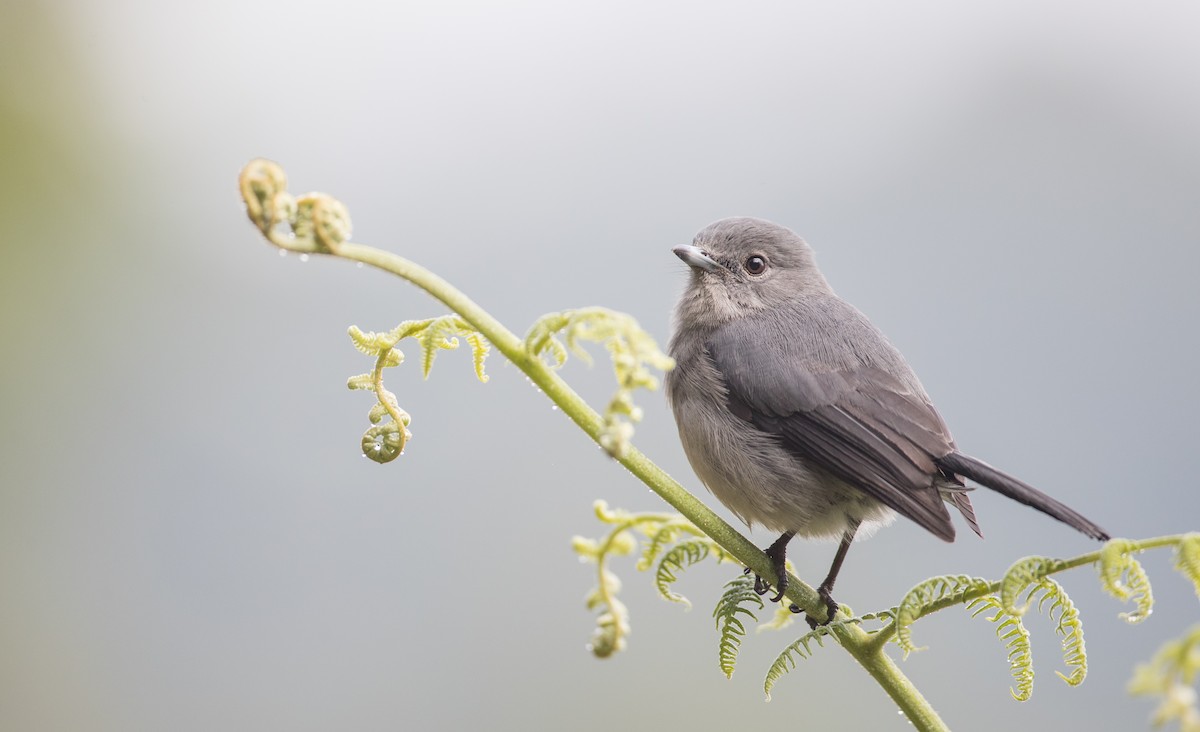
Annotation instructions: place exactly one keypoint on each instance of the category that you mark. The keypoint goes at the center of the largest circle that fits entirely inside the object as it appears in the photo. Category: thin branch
(326, 230)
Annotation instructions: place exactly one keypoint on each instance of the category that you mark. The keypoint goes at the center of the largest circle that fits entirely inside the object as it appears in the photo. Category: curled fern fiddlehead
(1122, 577)
(739, 592)
(632, 351)
(261, 183)
(313, 222)
(385, 440)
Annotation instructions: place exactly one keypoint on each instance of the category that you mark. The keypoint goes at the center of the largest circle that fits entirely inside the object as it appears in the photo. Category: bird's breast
(748, 470)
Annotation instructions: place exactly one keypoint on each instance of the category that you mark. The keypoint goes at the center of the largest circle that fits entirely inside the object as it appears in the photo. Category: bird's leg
(778, 554)
(825, 590)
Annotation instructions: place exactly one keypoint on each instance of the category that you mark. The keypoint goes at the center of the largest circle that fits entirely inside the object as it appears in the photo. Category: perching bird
(798, 414)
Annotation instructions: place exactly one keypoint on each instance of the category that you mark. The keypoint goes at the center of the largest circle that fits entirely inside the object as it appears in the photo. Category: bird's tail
(989, 477)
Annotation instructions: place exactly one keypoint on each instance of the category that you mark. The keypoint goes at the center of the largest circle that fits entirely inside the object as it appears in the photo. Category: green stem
(856, 641)
(880, 638)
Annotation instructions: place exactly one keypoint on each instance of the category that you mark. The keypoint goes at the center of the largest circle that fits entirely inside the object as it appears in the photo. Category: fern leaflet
(1123, 577)
(1022, 574)
(1187, 559)
(738, 593)
(681, 556)
(798, 649)
(948, 589)
(1066, 616)
(1012, 631)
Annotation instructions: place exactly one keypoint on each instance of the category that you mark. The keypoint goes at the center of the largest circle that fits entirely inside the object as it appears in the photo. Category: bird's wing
(856, 421)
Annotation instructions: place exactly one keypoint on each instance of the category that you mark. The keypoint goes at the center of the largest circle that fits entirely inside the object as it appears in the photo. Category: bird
(798, 414)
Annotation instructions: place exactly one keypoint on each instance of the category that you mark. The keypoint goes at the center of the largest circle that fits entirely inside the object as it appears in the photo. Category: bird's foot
(777, 552)
(831, 608)
(762, 587)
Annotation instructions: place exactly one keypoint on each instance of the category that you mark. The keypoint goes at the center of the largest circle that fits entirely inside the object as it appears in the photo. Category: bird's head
(743, 266)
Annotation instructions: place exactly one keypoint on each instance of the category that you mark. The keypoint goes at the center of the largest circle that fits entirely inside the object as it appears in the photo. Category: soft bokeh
(189, 539)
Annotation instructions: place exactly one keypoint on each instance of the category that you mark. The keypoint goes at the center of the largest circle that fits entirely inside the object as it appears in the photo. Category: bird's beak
(697, 258)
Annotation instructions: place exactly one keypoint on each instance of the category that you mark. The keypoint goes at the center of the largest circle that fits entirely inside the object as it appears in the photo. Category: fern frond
(1123, 577)
(610, 515)
(382, 443)
(883, 616)
(439, 335)
(950, 589)
(632, 350)
(479, 353)
(738, 593)
(1067, 624)
(681, 556)
(1022, 574)
(1187, 559)
(799, 649)
(1170, 676)
(370, 343)
(612, 623)
(365, 382)
(1011, 630)
(540, 339)
(612, 626)
(663, 535)
(660, 536)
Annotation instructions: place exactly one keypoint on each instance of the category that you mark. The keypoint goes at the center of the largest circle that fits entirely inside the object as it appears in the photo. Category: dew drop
(589, 647)
(283, 252)
(1135, 617)
(359, 265)
(303, 257)
(554, 407)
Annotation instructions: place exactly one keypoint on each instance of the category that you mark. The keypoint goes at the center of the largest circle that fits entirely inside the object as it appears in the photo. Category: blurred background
(189, 537)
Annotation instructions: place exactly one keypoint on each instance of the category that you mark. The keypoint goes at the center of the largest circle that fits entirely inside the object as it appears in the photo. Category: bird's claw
(762, 587)
(759, 586)
(831, 608)
(782, 586)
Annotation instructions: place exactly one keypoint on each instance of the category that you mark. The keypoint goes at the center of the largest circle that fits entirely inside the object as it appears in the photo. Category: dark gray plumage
(797, 413)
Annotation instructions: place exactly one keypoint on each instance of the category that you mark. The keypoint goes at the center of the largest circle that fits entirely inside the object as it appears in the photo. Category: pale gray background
(189, 539)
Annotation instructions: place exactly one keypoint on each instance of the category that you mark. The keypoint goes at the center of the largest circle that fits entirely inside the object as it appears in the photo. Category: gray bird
(798, 414)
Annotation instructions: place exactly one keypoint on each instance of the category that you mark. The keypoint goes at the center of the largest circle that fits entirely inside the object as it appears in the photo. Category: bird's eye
(756, 265)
